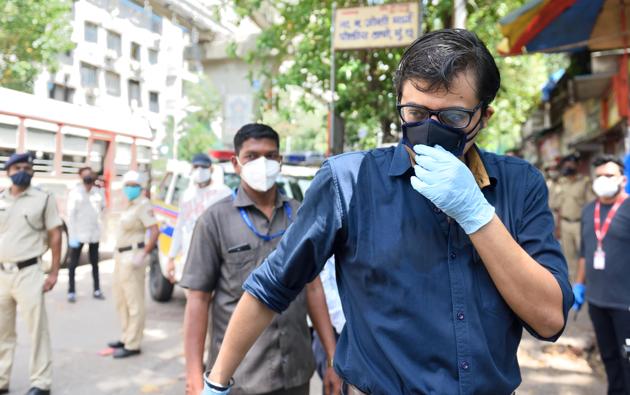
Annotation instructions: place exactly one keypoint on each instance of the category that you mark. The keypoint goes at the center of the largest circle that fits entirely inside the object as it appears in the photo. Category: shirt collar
(484, 175)
(243, 200)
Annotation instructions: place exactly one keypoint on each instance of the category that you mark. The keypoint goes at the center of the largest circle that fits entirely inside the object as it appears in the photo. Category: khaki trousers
(22, 290)
(128, 291)
(570, 240)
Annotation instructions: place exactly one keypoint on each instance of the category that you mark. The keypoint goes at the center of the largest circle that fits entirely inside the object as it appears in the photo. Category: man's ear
(487, 115)
(235, 165)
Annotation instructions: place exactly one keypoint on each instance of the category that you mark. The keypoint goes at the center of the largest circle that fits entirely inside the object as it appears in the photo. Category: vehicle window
(295, 191)
(231, 180)
(163, 188)
(180, 186)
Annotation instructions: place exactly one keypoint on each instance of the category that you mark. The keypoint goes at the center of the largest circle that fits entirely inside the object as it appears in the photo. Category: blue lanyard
(250, 224)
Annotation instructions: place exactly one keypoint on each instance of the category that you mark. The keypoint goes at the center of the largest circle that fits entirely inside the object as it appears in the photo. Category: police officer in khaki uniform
(131, 257)
(29, 225)
(572, 194)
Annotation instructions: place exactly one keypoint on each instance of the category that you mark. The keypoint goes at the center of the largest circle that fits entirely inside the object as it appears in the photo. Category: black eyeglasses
(455, 117)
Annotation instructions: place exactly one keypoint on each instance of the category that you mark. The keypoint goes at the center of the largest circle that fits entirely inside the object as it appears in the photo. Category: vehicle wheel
(160, 288)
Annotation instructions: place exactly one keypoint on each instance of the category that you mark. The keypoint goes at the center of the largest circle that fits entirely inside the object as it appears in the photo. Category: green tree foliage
(32, 35)
(365, 93)
(195, 131)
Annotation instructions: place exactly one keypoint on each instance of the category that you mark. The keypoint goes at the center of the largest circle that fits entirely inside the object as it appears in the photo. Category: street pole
(331, 137)
(459, 14)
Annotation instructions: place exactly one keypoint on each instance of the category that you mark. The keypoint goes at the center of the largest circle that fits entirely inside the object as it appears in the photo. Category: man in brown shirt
(230, 240)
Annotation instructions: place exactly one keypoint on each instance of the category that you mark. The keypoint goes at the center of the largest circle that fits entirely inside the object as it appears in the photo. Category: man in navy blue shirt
(443, 254)
(602, 276)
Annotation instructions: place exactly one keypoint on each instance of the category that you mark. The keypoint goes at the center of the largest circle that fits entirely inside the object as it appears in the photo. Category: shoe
(38, 391)
(98, 295)
(72, 297)
(116, 344)
(124, 353)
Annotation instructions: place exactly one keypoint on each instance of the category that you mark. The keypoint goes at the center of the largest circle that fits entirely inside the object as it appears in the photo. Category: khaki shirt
(134, 221)
(571, 197)
(222, 254)
(24, 224)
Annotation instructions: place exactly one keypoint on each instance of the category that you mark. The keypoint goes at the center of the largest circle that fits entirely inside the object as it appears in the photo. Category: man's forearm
(54, 242)
(318, 311)
(530, 290)
(248, 321)
(580, 277)
(154, 233)
(195, 329)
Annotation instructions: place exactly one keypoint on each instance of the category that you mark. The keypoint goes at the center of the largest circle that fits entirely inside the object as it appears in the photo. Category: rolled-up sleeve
(304, 248)
(536, 236)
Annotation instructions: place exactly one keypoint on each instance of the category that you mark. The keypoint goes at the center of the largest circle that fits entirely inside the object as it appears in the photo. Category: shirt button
(460, 316)
(453, 255)
(465, 365)
(436, 210)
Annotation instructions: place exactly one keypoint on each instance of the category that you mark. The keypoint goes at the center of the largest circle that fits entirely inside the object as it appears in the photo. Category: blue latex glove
(73, 243)
(578, 294)
(447, 182)
(210, 388)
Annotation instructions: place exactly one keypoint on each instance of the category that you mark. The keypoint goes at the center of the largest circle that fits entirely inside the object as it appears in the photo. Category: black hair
(569, 158)
(436, 59)
(254, 131)
(84, 168)
(603, 159)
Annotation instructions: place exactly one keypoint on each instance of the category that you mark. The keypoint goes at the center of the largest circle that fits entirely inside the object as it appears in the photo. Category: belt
(570, 220)
(129, 248)
(7, 267)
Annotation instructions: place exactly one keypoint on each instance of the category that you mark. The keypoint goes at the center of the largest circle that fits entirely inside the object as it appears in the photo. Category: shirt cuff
(262, 285)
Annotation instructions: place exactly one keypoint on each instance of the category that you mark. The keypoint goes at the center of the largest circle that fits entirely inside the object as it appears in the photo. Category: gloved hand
(73, 243)
(210, 388)
(447, 182)
(578, 294)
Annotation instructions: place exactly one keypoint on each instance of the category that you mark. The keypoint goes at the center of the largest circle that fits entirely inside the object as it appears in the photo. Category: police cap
(18, 158)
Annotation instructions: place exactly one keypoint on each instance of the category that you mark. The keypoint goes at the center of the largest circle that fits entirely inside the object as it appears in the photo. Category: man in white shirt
(85, 206)
(201, 193)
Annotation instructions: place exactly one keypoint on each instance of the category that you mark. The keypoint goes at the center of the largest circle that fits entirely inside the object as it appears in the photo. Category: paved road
(81, 330)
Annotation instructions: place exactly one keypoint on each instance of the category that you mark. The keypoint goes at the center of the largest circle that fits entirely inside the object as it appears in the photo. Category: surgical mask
(88, 180)
(432, 133)
(201, 175)
(569, 171)
(606, 187)
(22, 178)
(260, 174)
(132, 191)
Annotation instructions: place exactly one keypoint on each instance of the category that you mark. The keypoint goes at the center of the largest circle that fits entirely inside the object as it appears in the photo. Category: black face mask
(569, 171)
(21, 178)
(88, 180)
(432, 133)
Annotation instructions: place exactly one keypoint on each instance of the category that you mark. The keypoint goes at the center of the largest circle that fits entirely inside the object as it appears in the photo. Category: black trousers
(612, 328)
(75, 254)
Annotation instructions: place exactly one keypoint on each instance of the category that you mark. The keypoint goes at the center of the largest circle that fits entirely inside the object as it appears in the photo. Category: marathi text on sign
(390, 25)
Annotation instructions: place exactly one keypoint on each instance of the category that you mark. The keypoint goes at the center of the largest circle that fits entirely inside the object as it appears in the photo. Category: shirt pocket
(128, 220)
(238, 265)
(34, 218)
(4, 218)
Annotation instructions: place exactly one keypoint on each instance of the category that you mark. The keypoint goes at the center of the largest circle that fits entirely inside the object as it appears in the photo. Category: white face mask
(201, 175)
(260, 174)
(606, 187)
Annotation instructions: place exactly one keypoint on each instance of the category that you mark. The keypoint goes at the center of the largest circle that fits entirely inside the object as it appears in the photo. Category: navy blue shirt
(607, 288)
(423, 315)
